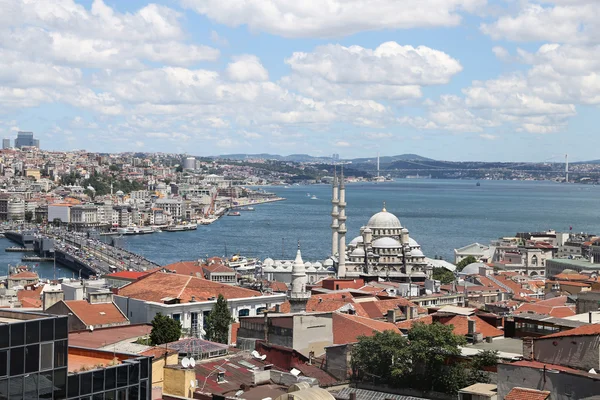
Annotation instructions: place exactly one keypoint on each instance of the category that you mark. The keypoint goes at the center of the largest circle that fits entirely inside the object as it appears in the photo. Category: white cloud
(218, 39)
(342, 143)
(501, 53)
(246, 68)
(488, 136)
(333, 18)
(378, 135)
(564, 21)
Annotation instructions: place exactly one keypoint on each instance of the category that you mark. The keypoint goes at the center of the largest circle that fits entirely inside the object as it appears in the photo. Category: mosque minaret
(334, 214)
(298, 295)
(342, 227)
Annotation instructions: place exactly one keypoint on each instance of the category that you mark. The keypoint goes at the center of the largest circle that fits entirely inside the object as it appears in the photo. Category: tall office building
(25, 139)
(5, 144)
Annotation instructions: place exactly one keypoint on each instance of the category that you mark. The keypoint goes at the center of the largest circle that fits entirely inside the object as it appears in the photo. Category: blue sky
(509, 80)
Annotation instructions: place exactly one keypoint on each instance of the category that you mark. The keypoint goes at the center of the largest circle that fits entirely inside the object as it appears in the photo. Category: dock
(18, 249)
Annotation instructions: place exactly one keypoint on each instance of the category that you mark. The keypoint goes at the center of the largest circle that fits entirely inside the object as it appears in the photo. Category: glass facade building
(34, 355)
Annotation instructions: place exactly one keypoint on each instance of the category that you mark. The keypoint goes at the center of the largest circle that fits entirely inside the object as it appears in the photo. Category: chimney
(100, 297)
(51, 298)
(528, 349)
(391, 316)
(472, 327)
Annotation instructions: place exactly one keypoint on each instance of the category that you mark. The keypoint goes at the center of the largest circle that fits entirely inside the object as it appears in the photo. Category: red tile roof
(31, 298)
(98, 314)
(161, 285)
(553, 311)
(106, 336)
(326, 303)
(379, 309)
(585, 330)
(217, 268)
(461, 326)
(571, 277)
(527, 394)
(406, 325)
(25, 275)
(186, 268)
(132, 275)
(347, 328)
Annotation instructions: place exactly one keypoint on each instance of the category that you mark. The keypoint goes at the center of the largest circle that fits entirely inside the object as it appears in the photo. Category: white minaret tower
(566, 168)
(298, 295)
(342, 229)
(334, 214)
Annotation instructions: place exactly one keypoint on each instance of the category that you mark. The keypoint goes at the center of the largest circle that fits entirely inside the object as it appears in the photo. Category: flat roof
(507, 345)
(585, 264)
(12, 316)
(106, 336)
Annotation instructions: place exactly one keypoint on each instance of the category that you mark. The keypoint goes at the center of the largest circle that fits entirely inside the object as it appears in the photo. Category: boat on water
(245, 209)
(242, 264)
(180, 228)
(313, 197)
(233, 213)
(135, 230)
(478, 184)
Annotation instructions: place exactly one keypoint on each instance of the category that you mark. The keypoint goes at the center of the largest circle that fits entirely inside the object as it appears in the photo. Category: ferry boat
(234, 213)
(180, 228)
(242, 264)
(245, 209)
(135, 230)
(313, 197)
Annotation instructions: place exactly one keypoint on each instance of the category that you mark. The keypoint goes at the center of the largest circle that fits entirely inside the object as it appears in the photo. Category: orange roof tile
(553, 311)
(98, 314)
(571, 277)
(347, 328)
(461, 326)
(187, 268)
(406, 325)
(527, 394)
(126, 275)
(160, 285)
(25, 275)
(585, 330)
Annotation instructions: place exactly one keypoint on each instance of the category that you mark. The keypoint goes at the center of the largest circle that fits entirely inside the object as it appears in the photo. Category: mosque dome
(328, 263)
(358, 252)
(318, 265)
(277, 264)
(120, 193)
(287, 265)
(384, 219)
(472, 268)
(309, 267)
(413, 243)
(416, 253)
(355, 241)
(268, 262)
(386, 243)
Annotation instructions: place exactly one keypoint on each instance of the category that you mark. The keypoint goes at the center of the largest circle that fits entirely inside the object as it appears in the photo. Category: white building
(174, 207)
(84, 214)
(60, 212)
(188, 299)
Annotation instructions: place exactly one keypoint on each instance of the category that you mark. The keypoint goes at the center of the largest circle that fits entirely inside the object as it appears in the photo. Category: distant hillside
(309, 158)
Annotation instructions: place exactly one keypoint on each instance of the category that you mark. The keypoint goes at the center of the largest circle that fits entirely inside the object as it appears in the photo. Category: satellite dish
(192, 383)
(91, 328)
(592, 371)
(185, 362)
(192, 362)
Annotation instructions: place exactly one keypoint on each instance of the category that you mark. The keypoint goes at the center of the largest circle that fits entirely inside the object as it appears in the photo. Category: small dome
(268, 262)
(309, 267)
(472, 268)
(318, 265)
(307, 264)
(358, 252)
(287, 265)
(387, 243)
(277, 264)
(120, 193)
(328, 262)
(416, 253)
(384, 219)
(355, 241)
(413, 243)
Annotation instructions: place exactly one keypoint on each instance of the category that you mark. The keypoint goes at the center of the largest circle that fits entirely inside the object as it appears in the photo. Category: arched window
(534, 261)
(244, 312)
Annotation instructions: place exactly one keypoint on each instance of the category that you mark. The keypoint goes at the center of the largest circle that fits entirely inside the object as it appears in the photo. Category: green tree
(477, 374)
(382, 357)
(443, 275)
(114, 168)
(464, 262)
(218, 321)
(38, 219)
(164, 330)
(57, 222)
(28, 216)
(179, 168)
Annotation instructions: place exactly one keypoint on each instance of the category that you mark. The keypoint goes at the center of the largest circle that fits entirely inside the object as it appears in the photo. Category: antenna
(566, 168)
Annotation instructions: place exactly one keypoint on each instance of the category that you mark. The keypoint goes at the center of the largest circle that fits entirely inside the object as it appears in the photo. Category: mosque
(383, 250)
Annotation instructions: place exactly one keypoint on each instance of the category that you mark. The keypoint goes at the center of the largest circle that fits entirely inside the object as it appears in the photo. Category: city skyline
(459, 80)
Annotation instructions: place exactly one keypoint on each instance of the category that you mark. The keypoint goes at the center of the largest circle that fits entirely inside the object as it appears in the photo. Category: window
(46, 356)
(31, 386)
(60, 354)
(4, 336)
(3, 362)
(60, 328)
(122, 376)
(73, 385)
(47, 330)
(60, 383)
(244, 312)
(134, 374)
(17, 334)
(16, 388)
(32, 329)
(110, 378)
(32, 358)
(3, 389)
(86, 383)
(17, 355)
(45, 385)
(177, 317)
(98, 381)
